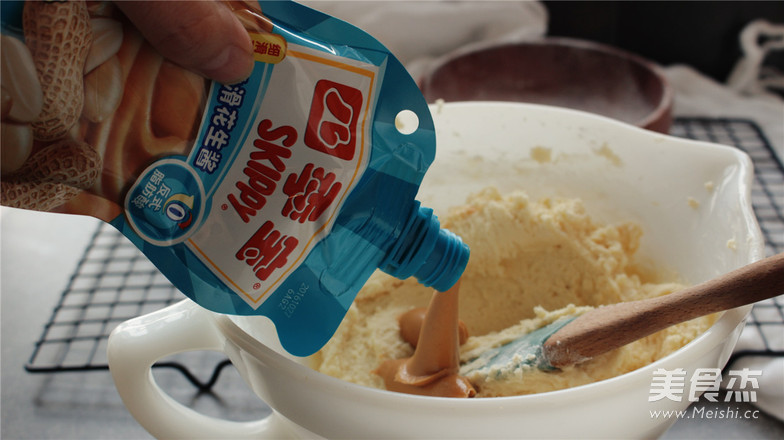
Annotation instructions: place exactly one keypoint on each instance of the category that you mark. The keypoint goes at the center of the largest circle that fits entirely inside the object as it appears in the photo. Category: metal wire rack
(114, 282)
(765, 325)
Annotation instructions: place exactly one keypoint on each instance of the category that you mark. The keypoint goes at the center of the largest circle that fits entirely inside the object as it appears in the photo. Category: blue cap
(435, 256)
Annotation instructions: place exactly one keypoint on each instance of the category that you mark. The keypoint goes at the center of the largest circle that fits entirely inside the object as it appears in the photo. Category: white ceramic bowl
(691, 198)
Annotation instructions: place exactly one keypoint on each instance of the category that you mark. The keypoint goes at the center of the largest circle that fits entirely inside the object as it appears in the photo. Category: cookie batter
(531, 262)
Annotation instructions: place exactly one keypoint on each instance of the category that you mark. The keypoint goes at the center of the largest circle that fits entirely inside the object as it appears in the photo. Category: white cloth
(751, 75)
(417, 32)
(699, 95)
(769, 389)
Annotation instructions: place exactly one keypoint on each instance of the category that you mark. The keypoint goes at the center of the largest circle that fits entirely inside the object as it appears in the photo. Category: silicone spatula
(571, 340)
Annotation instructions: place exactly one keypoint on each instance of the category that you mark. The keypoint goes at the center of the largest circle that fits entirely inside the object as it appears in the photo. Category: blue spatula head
(520, 354)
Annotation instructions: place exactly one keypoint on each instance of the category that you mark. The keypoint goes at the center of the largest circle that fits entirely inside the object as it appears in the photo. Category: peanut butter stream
(436, 334)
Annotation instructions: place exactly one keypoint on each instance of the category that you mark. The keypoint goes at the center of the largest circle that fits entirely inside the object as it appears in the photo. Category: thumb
(202, 36)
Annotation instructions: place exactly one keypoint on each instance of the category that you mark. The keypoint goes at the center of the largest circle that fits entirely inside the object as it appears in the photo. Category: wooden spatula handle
(609, 327)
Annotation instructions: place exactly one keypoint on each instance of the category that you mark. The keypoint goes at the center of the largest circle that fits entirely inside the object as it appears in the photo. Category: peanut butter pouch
(276, 196)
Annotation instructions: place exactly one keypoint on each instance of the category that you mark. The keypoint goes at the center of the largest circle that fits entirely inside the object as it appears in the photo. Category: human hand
(70, 165)
(202, 36)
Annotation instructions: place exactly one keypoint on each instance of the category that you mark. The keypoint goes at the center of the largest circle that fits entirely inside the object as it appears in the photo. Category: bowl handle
(135, 345)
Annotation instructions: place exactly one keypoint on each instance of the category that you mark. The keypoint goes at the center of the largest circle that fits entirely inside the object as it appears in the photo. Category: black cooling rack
(765, 324)
(114, 282)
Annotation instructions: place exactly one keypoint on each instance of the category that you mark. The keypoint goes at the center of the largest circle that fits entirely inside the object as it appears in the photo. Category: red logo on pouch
(267, 250)
(332, 122)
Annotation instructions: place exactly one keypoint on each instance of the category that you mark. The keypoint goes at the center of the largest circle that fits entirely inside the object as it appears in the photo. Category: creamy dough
(531, 262)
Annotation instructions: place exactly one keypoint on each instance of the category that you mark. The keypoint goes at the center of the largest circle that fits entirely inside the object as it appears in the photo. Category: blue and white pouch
(277, 196)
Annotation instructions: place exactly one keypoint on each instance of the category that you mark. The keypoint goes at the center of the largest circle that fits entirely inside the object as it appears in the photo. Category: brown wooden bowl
(561, 72)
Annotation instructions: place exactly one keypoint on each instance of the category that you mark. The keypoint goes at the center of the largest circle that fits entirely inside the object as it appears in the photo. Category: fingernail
(231, 66)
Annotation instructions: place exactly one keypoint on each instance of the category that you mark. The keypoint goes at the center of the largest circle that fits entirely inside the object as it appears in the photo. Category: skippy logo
(265, 181)
(333, 119)
(284, 188)
(263, 169)
(330, 129)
